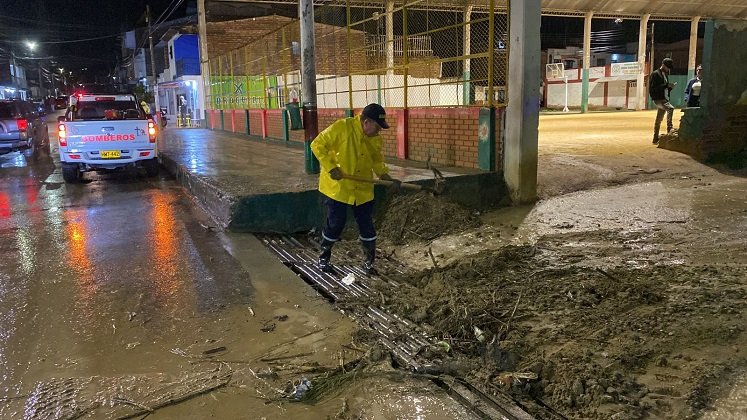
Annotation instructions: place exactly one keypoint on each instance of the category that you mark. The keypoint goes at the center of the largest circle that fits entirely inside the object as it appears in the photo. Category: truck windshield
(109, 110)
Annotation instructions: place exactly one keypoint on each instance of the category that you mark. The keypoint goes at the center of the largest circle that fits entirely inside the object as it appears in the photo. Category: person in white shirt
(692, 92)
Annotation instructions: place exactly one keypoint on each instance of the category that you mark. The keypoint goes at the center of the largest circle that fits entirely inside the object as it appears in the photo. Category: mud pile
(614, 342)
(423, 217)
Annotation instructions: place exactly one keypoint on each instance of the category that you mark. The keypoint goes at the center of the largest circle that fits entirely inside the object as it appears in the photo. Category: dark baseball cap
(376, 112)
(668, 62)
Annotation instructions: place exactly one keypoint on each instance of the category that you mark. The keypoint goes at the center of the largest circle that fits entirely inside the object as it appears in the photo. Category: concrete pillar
(204, 65)
(308, 83)
(640, 89)
(693, 47)
(467, 37)
(706, 92)
(522, 113)
(586, 65)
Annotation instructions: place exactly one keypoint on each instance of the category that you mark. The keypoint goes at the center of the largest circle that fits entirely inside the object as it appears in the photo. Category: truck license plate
(110, 154)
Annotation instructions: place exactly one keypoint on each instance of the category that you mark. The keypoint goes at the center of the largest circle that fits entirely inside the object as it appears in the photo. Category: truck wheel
(151, 167)
(70, 173)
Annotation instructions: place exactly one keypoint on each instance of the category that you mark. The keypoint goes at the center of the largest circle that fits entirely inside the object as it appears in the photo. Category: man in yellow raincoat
(351, 146)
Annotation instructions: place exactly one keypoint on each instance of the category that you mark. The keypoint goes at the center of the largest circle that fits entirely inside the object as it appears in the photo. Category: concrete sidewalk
(257, 186)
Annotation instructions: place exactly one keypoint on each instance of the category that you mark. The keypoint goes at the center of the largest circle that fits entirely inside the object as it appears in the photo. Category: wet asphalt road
(113, 290)
(95, 277)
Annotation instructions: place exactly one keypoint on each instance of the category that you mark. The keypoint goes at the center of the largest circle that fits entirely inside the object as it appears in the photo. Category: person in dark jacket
(692, 91)
(659, 89)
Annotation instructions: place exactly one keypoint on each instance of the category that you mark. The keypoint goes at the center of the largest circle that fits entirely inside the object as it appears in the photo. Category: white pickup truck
(106, 132)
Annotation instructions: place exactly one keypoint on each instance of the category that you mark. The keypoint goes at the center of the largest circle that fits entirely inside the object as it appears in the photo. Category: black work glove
(336, 173)
(396, 183)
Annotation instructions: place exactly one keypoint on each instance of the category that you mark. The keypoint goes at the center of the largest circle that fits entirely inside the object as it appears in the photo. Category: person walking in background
(659, 88)
(692, 91)
(351, 146)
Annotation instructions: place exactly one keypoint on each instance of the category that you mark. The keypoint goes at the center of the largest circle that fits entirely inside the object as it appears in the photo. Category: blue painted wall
(187, 55)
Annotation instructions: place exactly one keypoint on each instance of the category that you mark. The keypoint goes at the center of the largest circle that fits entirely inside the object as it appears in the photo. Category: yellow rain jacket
(344, 145)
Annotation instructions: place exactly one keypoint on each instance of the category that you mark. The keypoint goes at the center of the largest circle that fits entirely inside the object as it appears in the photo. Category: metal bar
(491, 52)
(405, 35)
(313, 277)
(350, 60)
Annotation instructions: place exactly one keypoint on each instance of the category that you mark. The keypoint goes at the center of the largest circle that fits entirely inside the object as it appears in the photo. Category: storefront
(182, 100)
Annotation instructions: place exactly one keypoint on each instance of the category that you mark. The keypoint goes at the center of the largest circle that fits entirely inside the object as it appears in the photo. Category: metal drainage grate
(400, 336)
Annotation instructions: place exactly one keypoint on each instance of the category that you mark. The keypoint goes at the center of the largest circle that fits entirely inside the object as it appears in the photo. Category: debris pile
(545, 323)
(424, 217)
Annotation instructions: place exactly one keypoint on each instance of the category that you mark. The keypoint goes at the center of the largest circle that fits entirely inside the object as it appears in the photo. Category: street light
(31, 45)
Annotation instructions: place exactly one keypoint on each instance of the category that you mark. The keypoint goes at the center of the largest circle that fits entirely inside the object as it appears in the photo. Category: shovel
(405, 185)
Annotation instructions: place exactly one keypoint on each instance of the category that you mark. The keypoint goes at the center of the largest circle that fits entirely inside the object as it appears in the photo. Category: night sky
(56, 24)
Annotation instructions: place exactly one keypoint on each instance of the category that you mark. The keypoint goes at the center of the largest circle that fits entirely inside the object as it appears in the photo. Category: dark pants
(663, 107)
(337, 214)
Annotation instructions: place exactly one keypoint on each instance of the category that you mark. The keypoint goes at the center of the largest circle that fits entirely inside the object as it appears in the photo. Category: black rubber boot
(369, 254)
(325, 255)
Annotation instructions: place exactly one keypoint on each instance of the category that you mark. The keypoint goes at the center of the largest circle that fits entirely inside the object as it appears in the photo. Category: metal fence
(402, 54)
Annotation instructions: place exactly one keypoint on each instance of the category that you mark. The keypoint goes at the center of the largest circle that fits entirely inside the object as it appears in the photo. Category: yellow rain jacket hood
(344, 145)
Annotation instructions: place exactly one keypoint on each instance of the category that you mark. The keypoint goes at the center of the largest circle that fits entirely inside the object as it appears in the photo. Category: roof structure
(659, 9)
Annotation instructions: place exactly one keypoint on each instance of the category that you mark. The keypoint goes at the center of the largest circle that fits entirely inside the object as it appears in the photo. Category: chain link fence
(405, 54)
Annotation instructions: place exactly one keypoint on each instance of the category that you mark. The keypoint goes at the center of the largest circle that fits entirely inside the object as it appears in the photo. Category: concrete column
(308, 83)
(389, 49)
(693, 47)
(640, 89)
(467, 37)
(586, 65)
(522, 114)
(706, 91)
(204, 65)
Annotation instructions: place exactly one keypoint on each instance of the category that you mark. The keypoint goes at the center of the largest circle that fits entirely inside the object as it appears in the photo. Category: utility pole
(308, 83)
(42, 93)
(204, 63)
(152, 61)
(17, 93)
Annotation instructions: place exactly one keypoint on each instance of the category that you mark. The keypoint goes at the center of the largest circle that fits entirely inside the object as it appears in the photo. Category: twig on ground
(217, 382)
(606, 274)
(122, 400)
(290, 356)
(349, 347)
(433, 259)
(508, 323)
(285, 343)
(18, 397)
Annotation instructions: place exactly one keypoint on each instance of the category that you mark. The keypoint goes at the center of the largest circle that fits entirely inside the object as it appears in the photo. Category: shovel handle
(383, 182)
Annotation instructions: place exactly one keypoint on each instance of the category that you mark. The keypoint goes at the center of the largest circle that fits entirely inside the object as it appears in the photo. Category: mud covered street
(625, 299)
(118, 298)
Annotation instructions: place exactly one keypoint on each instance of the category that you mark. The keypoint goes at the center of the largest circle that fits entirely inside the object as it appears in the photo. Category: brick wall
(726, 132)
(448, 134)
(255, 122)
(275, 124)
(499, 113)
(240, 118)
(226, 120)
(328, 116)
(297, 136)
(211, 118)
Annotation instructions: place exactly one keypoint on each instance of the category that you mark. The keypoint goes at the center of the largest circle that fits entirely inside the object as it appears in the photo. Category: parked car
(22, 127)
(60, 102)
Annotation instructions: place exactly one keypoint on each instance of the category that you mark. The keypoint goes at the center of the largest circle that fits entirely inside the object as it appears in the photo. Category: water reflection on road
(116, 283)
